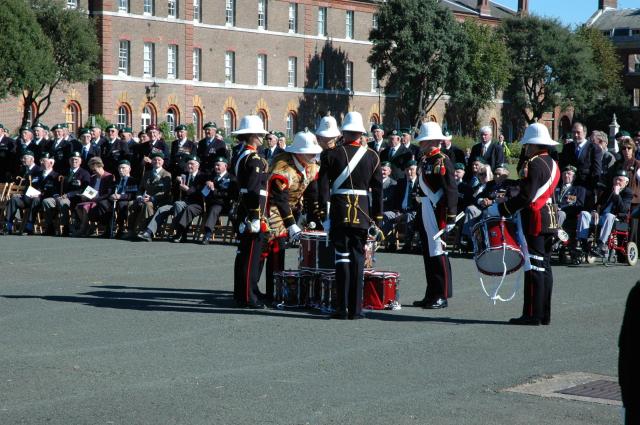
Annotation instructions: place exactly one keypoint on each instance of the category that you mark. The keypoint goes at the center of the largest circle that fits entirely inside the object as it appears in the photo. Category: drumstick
(437, 235)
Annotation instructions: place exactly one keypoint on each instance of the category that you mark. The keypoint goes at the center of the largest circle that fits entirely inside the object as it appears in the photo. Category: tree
(75, 53)
(487, 73)
(550, 66)
(25, 51)
(416, 48)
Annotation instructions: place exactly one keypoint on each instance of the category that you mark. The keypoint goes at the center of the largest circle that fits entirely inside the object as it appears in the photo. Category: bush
(166, 131)
(100, 121)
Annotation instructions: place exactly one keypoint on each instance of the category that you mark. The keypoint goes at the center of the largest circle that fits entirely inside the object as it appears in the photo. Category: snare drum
(495, 247)
(316, 252)
(292, 288)
(381, 290)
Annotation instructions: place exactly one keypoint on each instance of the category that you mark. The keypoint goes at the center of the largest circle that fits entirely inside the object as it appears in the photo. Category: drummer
(540, 176)
(347, 174)
(438, 205)
(293, 177)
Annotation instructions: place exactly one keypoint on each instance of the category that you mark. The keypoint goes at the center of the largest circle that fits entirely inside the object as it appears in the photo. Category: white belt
(262, 192)
(350, 192)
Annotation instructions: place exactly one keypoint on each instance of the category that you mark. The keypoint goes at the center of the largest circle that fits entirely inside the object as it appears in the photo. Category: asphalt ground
(113, 332)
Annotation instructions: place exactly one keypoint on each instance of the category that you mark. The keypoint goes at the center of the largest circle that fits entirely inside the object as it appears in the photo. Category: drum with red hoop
(292, 288)
(318, 254)
(381, 290)
(496, 250)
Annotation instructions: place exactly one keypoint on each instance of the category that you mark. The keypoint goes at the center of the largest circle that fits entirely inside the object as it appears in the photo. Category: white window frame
(123, 57)
(146, 117)
(197, 10)
(348, 76)
(123, 116)
(636, 98)
(72, 4)
(172, 61)
(171, 119)
(289, 126)
(148, 65)
(292, 71)
(172, 9)
(229, 67)
(293, 17)
(322, 21)
(262, 14)
(230, 12)
(374, 21)
(262, 70)
(321, 74)
(374, 81)
(349, 17)
(227, 121)
(123, 6)
(147, 7)
(197, 64)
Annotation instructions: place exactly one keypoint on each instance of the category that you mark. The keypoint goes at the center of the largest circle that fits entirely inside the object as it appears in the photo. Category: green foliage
(550, 65)
(191, 131)
(26, 52)
(165, 129)
(514, 150)
(100, 120)
(463, 142)
(417, 48)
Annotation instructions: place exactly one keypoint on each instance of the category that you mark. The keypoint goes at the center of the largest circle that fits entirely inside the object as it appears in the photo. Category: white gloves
(326, 225)
(492, 211)
(449, 227)
(294, 232)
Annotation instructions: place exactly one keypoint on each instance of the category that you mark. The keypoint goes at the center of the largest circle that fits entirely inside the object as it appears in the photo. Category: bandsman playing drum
(540, 176)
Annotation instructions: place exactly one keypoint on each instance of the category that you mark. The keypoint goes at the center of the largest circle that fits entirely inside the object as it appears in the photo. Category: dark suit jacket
(113, 153)
(620, 204)
(589, 164)
(494, 155)
(7, 159)
(48, 186)
(179, 156)
(208, 152)
(455, 154)
(225, 191)
(61, 154)
(128, 191)
(389, 187)
(194, 194)
(157, 187)
(412, 202)
(398, 161)
(571, 200)
(93, 152)
(372, 145)
(74, 184)
(266, 152)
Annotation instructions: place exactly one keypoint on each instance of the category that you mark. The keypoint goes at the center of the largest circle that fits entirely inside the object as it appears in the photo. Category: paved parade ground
(113, 332)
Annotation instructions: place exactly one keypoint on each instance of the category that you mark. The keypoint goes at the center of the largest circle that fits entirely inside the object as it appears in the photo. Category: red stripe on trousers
(248, 269)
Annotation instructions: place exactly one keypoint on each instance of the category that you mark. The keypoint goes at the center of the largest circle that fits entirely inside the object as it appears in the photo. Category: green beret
(45, 127)
(620, 172)
(279, 134)
(75, 155)
(27, 152)
(210, 124)
(480, 159)
(180, 127)
(502, 165)
(411, 163)
(570, 168)
(124, 162)
(59, 126)
(405, 131)
(26, 128)
(385, 164)
(377, 127)
(395, 133)
(127, 130)
(111, 127)
(157, 155)
(84, 131)
(459, 166)
(194, 158)
(46, 155)
(222, 159)
(38, 124)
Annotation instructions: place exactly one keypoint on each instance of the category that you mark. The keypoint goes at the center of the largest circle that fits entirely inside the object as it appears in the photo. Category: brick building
(192, 61)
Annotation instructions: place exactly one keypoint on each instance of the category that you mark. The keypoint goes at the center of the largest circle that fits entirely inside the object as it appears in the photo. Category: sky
(569, 12)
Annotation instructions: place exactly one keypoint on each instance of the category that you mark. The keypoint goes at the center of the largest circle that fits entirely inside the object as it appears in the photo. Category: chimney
(607, 3)
(483, 7)
(523, 7)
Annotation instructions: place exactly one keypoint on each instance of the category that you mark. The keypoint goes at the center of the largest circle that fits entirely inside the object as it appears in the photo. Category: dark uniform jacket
(372, 145)
(618, 205)
(7, 159)
(128, 190)
(179, 156)
(252, 181)
(114, 152)
(48, 186)
(436, 172)
(29, 173)
(588, 164)
(225, 191)
(570, 199)
(194, 194)
(210, 149)
(268, 155)
(412, 201)
(398, 161)
(60, 153)
(158, 187)
(455, 154)
(389, 187)
(538, 173)
(414, 149)
(74, 183)
(93, 151)
(465, 195)
(349, 210)
(494, 155)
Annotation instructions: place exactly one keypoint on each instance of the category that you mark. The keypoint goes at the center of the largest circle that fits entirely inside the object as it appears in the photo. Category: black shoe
(420, 303)
(545, 322)
(339, 315)
(179, 239)
(436, 304)
(207, 239)
(145, 236)
(356, 316)
(65, 231)
(524, 321)
(256, 306)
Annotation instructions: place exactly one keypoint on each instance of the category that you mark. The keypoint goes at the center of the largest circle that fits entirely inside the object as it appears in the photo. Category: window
(636, 98)
(291, 125)
(172, 61)
(147, 8)
(262, 70)
(635, 32)
(73, 117)
(123, 6)
(292, 69)
(322, 21)
(172, 8)
(197, 13)
(147, 59)
(123, 57)
(229, 67)
(229, 121)
(230, 12)
(123, 116)
(293, 17)
(621, 32)
(196, 64)
(172, 118)
(374, 21)
(264, 117)
(634, 63)
(197, 122)
(147, 117)
(348, 76)
(606, 33)
(374, 81)
(348, 22)
(72, 4)
(262, 14)
(321, 74)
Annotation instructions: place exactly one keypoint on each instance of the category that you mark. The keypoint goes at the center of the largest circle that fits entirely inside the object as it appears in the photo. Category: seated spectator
(480, 201)
(472, 174)
(465, 192)
(569, 197)
(631, 165)
(404, 207)
(389, 186)
(95, 208)
(614, 204)
(609, 158)
(125, 191)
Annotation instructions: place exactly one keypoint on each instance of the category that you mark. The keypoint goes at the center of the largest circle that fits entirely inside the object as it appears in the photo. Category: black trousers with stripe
(247, 269)
(349, 246)
(538, 282)
(437, 270)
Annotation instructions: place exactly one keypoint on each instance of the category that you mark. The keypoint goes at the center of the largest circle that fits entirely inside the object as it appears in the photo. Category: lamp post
(379, 89)
(151, 91)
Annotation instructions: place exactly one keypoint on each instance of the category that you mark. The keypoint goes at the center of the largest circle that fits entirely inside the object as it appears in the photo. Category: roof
(470, 7)
(609, 19)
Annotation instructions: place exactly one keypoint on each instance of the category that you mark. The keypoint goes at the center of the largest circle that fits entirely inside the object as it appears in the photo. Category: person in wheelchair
(404, 206)
(613, 204)
(570, 198)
